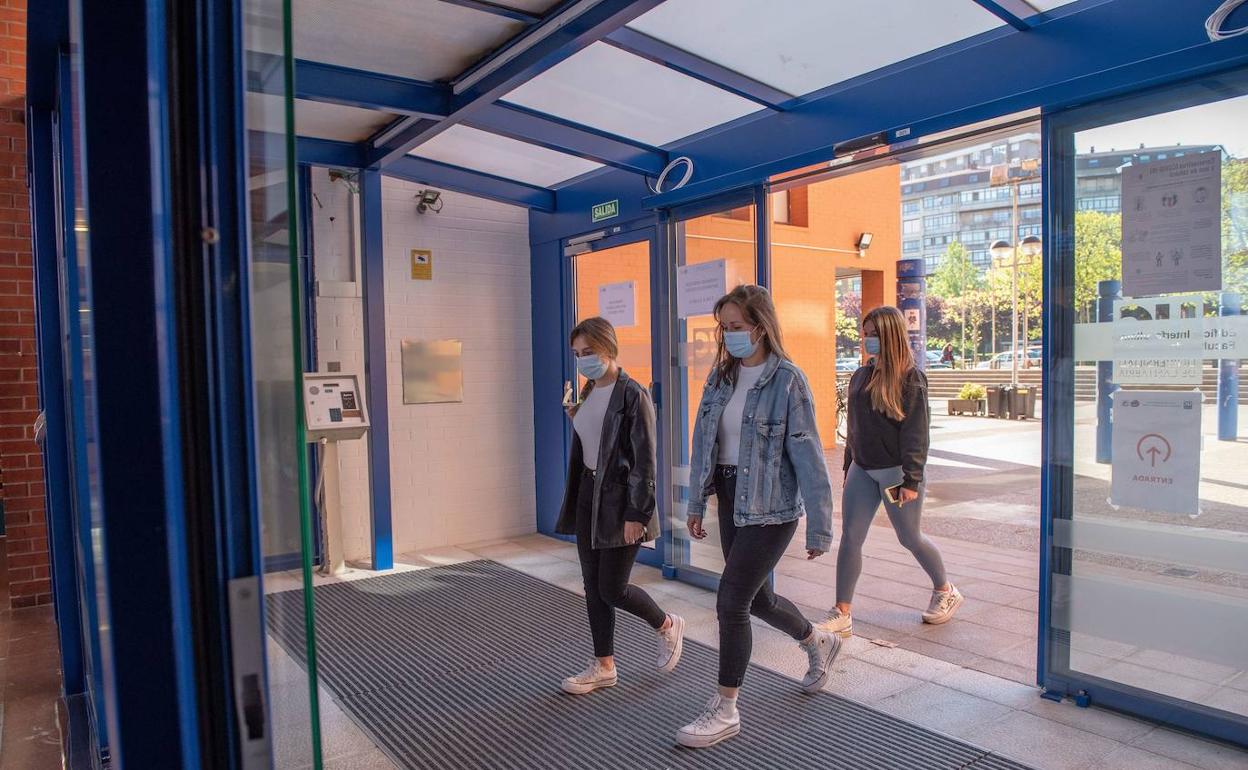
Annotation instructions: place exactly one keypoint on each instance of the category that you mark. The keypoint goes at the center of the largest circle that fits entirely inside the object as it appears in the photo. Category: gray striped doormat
(459, 667)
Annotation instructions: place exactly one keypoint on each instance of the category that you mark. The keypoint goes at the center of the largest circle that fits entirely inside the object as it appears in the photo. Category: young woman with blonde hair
(756, 447)
(609, 502)
(885, 455)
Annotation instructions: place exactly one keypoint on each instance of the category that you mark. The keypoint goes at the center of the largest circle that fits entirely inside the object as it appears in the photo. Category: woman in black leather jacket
(609, 502)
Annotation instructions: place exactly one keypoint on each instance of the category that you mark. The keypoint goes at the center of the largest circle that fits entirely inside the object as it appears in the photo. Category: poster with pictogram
(1156, 446)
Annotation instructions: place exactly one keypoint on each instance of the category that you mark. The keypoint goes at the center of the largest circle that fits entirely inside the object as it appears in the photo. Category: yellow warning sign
(422, 264)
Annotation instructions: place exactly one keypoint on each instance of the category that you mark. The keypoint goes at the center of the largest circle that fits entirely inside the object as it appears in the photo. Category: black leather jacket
(624, 485)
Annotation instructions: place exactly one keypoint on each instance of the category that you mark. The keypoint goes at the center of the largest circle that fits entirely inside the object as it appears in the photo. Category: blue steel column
(1229, 304)
(57, 482)
(1107, 292)
(374, 269)
(762, 235)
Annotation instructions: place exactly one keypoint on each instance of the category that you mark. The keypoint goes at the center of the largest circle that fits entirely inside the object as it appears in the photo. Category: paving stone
(942, 709)
(1202, 753)
(1041, 743)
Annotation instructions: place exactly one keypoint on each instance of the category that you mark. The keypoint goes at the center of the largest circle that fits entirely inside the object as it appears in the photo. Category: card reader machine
(333, 408)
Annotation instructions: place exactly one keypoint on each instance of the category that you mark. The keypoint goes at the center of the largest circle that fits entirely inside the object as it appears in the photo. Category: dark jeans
(750, 554)
(606, 572)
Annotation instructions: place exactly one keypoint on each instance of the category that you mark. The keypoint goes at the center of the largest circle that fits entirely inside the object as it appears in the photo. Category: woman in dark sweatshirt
(885, 453)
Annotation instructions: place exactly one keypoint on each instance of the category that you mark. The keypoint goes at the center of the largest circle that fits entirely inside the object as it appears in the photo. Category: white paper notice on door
(1156, 447)
(700, 286)
(1159, 341)
(617, 302)
(1172, 225)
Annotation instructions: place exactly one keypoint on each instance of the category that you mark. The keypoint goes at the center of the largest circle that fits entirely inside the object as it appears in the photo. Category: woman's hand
(695, 527)
(570, 410)
(814, 553)
(905, 495)
(634, 532)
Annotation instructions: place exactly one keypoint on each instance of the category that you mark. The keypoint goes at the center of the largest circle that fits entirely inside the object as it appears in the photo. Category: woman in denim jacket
(757, 448)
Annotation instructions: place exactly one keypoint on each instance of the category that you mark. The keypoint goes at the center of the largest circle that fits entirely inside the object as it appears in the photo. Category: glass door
(612, 280)
(714, 253)
(1148, 536)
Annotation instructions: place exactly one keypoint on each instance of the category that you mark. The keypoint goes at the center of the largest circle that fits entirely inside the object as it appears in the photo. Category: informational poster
(617, 302)
(700, 286)
(1156, 465)
(1172, 225)
(422, 264)
(1159, 341)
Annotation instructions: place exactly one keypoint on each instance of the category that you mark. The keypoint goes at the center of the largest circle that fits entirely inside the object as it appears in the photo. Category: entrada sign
(608, 210)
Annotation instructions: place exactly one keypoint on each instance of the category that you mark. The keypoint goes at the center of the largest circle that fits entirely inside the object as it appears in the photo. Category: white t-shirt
(588, 422)
(734, 412)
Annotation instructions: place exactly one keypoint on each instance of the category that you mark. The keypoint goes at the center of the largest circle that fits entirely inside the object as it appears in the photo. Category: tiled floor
(30, 684)
(955, 679)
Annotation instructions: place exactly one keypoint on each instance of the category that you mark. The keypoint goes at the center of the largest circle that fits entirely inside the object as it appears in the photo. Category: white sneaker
(594, 677)
(671, 644)
(821, 650)
(719, 722)
(943, 605)
(837, 622)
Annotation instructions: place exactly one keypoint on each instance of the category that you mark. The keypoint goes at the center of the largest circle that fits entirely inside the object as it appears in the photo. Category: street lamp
(1005, 254)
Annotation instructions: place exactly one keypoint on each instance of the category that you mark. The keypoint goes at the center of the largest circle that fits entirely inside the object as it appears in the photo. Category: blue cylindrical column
(912, 301)
(1107, 292)
(1229, 304)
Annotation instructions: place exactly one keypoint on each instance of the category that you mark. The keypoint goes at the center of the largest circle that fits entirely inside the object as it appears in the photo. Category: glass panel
(614, 91)
(1156, 592)
(280, 456)
(423, 40)
(726, 237)
(615, 284)
(787, 45)
(503, 156)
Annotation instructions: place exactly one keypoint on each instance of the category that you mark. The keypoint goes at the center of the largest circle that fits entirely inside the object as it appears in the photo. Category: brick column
(21, 464)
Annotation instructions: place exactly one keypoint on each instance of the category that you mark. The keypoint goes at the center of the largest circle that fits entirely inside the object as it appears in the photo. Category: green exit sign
(606, 210)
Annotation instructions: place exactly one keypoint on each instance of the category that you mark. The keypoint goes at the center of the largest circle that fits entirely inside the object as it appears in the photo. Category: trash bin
(997, 400)
(1022, 403)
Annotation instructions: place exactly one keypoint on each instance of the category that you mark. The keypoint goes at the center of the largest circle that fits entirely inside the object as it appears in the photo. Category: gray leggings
(864, 491)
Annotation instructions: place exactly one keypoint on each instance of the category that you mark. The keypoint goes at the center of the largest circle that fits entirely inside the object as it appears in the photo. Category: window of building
(780, 207)
(911, 227)
(910, 246)
(910, 207)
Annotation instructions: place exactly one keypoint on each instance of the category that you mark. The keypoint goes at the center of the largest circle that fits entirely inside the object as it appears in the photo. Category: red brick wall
(21, 465)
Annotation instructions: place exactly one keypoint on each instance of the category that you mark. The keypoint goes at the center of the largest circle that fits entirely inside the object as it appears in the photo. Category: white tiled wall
(459, 472)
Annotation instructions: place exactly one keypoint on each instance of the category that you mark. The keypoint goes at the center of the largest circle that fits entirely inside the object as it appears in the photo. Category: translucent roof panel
(614, 91)
(1048, 5)
(421, 39)
(539, 7)
(502, 156)
(801, 46)
(316, 119)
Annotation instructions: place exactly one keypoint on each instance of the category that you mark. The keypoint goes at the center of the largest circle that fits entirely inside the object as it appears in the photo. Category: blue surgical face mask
(740, 344)
(591, 367)
(872, 345)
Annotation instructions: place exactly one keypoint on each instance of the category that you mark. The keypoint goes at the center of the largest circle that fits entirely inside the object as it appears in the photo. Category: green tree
(1235, 226)
(1098, 257)
(957, 277)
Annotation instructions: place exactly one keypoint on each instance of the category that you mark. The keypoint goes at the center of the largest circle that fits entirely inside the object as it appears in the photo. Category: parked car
(934, 360)
(1002, 360)
(849, 364)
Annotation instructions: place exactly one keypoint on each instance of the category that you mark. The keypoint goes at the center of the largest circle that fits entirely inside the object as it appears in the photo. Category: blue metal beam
(472, 183)
(555, 134)
(308, 150)
(376, 385)
(321, 82)
(655, 50)
(558, 37)
(1017, 13)
(495, 9)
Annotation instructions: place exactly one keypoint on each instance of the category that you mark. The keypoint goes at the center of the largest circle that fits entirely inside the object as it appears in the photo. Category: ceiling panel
(1048, 5)
(801, 46)
(502, 156)
(614, 91)
(532, 6)
(265, 112)
(420, 39)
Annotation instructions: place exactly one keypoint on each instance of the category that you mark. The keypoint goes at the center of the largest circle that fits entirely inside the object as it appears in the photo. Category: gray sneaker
(719, 721)
(837, 622)
(671, 644)
(943, 605)
(821, 651)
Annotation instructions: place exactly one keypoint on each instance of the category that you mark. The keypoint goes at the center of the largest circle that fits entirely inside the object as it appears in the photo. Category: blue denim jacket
(781, 474)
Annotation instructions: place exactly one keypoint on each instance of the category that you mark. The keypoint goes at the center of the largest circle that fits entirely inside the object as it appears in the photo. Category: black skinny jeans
(606, 572)
(750, 554)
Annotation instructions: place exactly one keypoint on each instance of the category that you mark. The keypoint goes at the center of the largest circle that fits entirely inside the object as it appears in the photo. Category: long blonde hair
(892, 364)
(756, 306)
